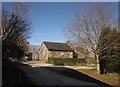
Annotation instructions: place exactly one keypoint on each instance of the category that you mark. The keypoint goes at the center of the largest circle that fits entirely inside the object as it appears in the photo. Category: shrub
(110, 61)
(67, 61)
(109, 64)
(50, 60)
(58, 61)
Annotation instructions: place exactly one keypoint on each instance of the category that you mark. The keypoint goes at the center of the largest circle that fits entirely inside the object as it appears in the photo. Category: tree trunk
(98, 62)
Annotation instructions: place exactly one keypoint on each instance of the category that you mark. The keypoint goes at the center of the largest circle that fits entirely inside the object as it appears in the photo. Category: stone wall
(60, 54)
(76, 53)
(35, 56)
(43, 53)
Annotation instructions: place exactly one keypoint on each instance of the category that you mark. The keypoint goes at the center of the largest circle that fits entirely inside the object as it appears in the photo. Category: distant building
(54, 50)
(79, 52)
(33, 52)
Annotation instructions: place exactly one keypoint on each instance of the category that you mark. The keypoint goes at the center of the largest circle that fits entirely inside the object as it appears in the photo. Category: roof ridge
(52, 42)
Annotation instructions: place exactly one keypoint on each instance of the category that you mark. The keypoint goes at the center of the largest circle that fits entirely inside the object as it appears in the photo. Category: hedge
(67, 61)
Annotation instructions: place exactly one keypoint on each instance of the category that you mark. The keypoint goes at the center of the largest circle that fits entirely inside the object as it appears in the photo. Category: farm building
(59, 50)
(79, 52)
(33, 52)
(55, 50)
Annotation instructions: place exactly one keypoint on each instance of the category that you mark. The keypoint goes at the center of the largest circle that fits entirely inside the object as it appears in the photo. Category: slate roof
(33, 48)
(56, 46)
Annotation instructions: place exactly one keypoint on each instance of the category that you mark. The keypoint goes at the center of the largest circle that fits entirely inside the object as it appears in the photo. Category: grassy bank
(111, 78)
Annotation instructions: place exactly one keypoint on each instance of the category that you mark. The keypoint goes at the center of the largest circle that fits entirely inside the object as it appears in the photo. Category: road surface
(41, 76)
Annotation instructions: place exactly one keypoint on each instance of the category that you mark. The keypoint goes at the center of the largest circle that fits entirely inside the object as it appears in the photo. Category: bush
(67, 61)
(109, 64)
(50, 60)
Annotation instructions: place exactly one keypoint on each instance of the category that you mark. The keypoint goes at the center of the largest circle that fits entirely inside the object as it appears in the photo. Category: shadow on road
(13, 76)
(60, 70)
(71, 73)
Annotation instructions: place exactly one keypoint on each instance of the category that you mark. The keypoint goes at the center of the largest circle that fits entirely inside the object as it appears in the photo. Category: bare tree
(15, 27)
(88, 24)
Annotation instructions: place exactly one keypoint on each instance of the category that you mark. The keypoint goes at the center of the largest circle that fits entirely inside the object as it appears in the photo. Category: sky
(49, 18)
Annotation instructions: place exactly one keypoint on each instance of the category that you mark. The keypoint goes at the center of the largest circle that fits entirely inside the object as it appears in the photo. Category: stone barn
(78, 52)
(54, 50)
(33, 52)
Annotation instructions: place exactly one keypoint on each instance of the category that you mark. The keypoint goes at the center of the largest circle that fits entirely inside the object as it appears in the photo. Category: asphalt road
(41, 76)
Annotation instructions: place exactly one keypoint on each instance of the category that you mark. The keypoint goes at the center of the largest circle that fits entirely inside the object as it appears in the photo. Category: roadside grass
(111, 78)
(12, 76)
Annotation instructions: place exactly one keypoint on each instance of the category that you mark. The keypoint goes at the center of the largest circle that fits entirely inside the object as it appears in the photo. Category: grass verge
(111, 78)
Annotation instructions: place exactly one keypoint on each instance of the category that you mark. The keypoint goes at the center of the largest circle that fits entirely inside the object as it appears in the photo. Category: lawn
(111, 79)
(12, 76)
